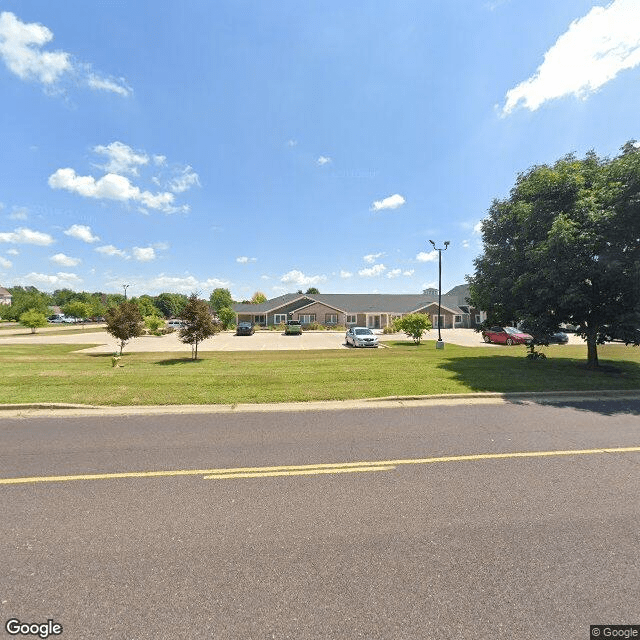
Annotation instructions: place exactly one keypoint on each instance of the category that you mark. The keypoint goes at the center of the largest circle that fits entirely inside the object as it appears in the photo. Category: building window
(331, 318)
(307, 318)
(279, 317)
(352, 318)
(457, 318)
(478, 319)
(260, 319)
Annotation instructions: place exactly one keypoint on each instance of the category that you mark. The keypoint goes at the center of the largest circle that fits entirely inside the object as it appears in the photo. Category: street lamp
(439, 343)
(125, 287)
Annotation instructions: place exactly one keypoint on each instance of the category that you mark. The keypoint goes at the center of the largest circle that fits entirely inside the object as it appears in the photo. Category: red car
(506, 335)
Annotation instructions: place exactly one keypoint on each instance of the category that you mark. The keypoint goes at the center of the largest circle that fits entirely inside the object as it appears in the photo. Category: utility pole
(125, 287)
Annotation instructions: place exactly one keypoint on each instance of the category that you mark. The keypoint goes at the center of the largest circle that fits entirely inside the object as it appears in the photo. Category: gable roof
(352, 303)
(4, 292)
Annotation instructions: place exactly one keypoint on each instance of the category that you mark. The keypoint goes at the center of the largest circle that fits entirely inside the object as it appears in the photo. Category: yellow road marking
(300, 472)
(332, 466)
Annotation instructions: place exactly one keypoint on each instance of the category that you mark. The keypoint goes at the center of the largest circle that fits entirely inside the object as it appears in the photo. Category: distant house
(373, 310)
(5, 296)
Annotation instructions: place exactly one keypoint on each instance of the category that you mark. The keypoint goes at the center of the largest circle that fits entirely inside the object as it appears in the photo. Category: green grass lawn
(52, 373)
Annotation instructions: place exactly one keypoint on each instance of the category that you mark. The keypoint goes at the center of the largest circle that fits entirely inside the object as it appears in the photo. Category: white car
(175, 324)
(361, 337)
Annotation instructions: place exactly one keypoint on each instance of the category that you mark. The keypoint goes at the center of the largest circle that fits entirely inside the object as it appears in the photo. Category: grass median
(54, 373)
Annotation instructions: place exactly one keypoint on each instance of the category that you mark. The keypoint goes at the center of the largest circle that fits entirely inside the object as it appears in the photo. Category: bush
(153, 324)
(390, 328)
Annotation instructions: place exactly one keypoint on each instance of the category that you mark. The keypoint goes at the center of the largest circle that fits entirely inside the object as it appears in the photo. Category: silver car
(361, 337)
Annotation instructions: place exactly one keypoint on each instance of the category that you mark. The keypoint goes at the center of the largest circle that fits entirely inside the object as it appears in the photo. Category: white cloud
(27, 236)
(298, 278)
(100, 83)
(144, 254)
(392, 202)
(587, 56)
(13, 252)
(6, 264)
(292, 143)
(111, 187)
(372, 257)
(465, 244)
(371, 272)
(186, 179)
(18, 214)
(345, 274)
(65, 261)
(477, 228)
(159, 160)
(164, 283)
(245, 259)
(265, 277)
(22, 50)
(121, 158)
(432, 256)
(110, 250)
(322, 160)
(394, 273)
(81, 232)
(59, 279)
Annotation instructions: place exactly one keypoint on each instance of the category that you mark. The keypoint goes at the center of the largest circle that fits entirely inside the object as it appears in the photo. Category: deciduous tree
(220, 298)
(124, 322)
(33, 319)
(414, 325)
(199, 323)
(565, 248)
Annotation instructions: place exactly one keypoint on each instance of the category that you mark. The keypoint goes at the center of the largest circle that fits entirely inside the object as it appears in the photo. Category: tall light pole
(439, 343)
(125, 287)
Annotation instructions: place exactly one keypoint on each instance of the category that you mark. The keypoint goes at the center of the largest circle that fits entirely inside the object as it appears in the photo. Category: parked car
(175, 324)
(245, 329)
(506, 335)
(57, 318)
(559, 337)
(361, 337)
(293, 328)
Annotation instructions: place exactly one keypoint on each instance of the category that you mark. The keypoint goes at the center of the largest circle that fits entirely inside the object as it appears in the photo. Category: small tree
(153, 323)
(124, 322)
(33, 319)
(312, 291)
(199, 324)
(414, 325)
(227, 317)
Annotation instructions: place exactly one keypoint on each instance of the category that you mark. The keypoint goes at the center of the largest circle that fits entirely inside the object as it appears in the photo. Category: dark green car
(293, 328)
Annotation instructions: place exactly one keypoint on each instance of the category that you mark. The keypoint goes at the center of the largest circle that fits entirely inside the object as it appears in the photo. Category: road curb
(46, 409)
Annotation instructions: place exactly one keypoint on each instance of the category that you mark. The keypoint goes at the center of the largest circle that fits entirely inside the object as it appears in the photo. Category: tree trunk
(33, 329)
(592, 351)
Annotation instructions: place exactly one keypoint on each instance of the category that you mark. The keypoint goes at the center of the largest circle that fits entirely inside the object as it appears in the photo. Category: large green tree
(220, 298)
(564, 247)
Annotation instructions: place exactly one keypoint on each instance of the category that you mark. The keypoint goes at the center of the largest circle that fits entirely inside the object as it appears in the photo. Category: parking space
(228, 341)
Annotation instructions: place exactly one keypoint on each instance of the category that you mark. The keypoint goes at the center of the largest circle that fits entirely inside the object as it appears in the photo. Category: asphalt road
(396, 545)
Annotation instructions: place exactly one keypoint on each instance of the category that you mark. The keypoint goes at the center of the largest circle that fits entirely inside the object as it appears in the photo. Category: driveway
(228, 341)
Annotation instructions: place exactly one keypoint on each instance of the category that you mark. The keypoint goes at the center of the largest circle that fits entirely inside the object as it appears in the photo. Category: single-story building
(5, 296)
(373, 310)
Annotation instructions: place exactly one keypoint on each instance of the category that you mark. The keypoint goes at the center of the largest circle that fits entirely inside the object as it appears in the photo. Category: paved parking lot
(228, 341)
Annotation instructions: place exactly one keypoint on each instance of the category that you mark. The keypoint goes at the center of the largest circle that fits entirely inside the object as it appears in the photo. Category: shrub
(153, 324)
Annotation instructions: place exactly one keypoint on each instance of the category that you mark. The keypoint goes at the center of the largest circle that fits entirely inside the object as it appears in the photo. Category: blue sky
(182, 146)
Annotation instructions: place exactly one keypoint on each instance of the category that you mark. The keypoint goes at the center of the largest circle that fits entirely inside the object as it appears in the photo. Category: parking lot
(228, 341)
